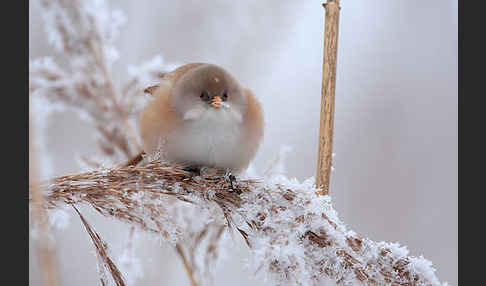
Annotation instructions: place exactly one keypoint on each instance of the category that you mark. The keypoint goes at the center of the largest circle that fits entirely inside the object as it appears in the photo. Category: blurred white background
(395, 138)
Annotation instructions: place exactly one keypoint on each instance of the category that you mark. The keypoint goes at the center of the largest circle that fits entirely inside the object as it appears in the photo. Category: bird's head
(208, 88)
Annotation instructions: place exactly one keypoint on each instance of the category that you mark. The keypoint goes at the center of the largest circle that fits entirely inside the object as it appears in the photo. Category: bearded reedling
(201, 116)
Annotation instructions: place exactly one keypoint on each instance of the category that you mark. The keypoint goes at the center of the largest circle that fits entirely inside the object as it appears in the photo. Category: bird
(200, 115)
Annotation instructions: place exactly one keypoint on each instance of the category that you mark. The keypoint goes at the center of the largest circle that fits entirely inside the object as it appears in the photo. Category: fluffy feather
(184, 129)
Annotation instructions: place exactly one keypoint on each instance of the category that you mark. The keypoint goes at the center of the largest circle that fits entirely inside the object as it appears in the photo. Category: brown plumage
(200, 115)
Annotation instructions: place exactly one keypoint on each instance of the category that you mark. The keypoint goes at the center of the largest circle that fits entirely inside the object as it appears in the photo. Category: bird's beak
(216, 102)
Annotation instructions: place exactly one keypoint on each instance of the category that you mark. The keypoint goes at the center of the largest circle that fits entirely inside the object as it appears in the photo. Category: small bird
(201, 116)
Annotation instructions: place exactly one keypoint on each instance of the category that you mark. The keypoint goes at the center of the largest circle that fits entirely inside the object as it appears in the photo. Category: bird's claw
(231, 178)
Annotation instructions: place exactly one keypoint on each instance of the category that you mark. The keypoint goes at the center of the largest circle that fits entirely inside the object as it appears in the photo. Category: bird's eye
(225, 96)
(204, 96)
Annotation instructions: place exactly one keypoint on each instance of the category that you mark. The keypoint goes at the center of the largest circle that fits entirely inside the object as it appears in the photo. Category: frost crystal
(295, 236)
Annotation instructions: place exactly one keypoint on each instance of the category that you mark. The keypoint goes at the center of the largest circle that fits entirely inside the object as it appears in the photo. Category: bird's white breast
(209, 137)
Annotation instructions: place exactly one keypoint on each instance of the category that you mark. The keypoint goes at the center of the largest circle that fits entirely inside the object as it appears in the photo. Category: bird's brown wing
(254, 123)
(157, 120)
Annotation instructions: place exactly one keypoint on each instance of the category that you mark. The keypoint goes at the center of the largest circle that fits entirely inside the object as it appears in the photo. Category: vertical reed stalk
(324, 159)
(45, 253)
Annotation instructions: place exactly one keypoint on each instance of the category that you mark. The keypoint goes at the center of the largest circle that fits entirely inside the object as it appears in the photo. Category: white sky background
(395, 135)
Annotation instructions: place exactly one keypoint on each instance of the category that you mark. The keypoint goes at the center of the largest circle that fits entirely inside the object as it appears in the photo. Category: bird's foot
(229, 177)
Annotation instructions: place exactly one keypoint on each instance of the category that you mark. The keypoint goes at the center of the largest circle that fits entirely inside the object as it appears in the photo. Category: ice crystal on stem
(294, 234)
(83, 34)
